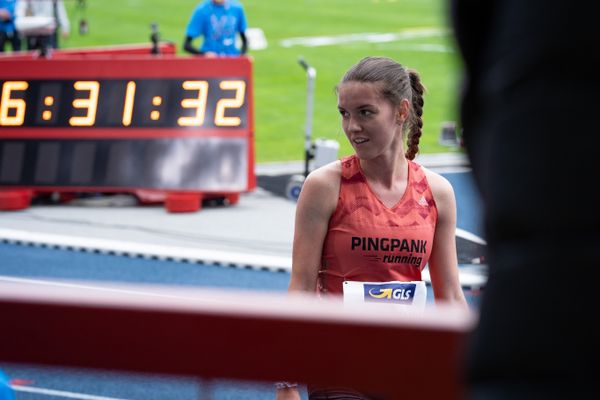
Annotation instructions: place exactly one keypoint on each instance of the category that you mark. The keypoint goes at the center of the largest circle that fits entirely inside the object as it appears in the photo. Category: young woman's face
(371, 123)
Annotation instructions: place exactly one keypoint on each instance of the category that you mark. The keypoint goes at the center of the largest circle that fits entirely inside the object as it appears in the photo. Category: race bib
(404, 295)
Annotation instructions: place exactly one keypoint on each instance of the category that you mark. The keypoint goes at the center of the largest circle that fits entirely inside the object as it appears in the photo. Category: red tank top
(369, 242)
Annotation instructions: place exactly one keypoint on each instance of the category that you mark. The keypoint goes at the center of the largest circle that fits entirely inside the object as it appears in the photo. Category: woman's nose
(353, 125)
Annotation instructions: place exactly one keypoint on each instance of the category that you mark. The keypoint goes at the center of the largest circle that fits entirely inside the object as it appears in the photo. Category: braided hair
(397, 83)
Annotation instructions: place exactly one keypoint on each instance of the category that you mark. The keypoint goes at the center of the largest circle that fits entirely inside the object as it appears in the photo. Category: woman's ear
(403, 111)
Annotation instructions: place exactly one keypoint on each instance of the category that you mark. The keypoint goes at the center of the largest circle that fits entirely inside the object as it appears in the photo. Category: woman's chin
(363, 152)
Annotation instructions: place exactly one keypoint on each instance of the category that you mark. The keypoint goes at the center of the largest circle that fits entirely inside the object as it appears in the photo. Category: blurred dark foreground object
(529, 113)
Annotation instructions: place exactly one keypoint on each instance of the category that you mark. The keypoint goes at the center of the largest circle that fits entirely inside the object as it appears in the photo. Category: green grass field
(418, 37)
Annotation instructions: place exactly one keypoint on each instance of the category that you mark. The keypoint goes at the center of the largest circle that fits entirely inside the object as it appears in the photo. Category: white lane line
(461, 233)
(4, 278)
(193, 255)
(241, 260)
(61, 393)
(69, 285)
(370, 37)
(432, 48)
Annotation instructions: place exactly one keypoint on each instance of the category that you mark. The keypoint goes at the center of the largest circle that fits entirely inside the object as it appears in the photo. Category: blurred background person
(6, 392)
(218, 22)
(48, 20)
(8, 32)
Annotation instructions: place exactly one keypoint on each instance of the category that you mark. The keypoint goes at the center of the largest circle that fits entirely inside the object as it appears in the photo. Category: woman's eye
(366, 113)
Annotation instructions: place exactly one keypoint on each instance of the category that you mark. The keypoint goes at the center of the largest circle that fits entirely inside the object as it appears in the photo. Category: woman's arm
(443, 263)
(317, 202)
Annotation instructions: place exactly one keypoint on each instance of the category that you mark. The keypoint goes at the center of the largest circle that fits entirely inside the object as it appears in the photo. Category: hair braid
(416, 122)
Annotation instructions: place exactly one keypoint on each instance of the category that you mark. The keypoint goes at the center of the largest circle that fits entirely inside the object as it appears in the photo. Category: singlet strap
(350, 166)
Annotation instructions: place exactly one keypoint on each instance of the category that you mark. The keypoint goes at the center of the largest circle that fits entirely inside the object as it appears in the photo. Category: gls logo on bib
(398, 293)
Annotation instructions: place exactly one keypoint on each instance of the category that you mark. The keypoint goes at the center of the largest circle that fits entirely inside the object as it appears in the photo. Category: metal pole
(311, 74)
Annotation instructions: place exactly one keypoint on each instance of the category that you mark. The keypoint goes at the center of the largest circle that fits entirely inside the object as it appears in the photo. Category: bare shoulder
(442, 189)
(322, 186)
(325, 179)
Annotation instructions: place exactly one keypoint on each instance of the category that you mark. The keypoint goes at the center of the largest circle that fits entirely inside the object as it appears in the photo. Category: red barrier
(238, 335)
(163, 48)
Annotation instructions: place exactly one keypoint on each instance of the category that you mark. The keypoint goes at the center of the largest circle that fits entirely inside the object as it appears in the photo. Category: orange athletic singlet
(370, 242)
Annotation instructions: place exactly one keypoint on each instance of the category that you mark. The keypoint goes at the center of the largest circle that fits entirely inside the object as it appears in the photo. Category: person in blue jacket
(6, 392)
(8, 33)
(218, 22)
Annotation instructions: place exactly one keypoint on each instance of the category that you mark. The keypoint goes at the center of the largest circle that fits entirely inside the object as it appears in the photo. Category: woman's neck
(386, 171)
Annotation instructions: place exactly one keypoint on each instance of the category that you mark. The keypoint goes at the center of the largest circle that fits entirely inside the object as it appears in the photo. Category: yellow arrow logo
(383, 294)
